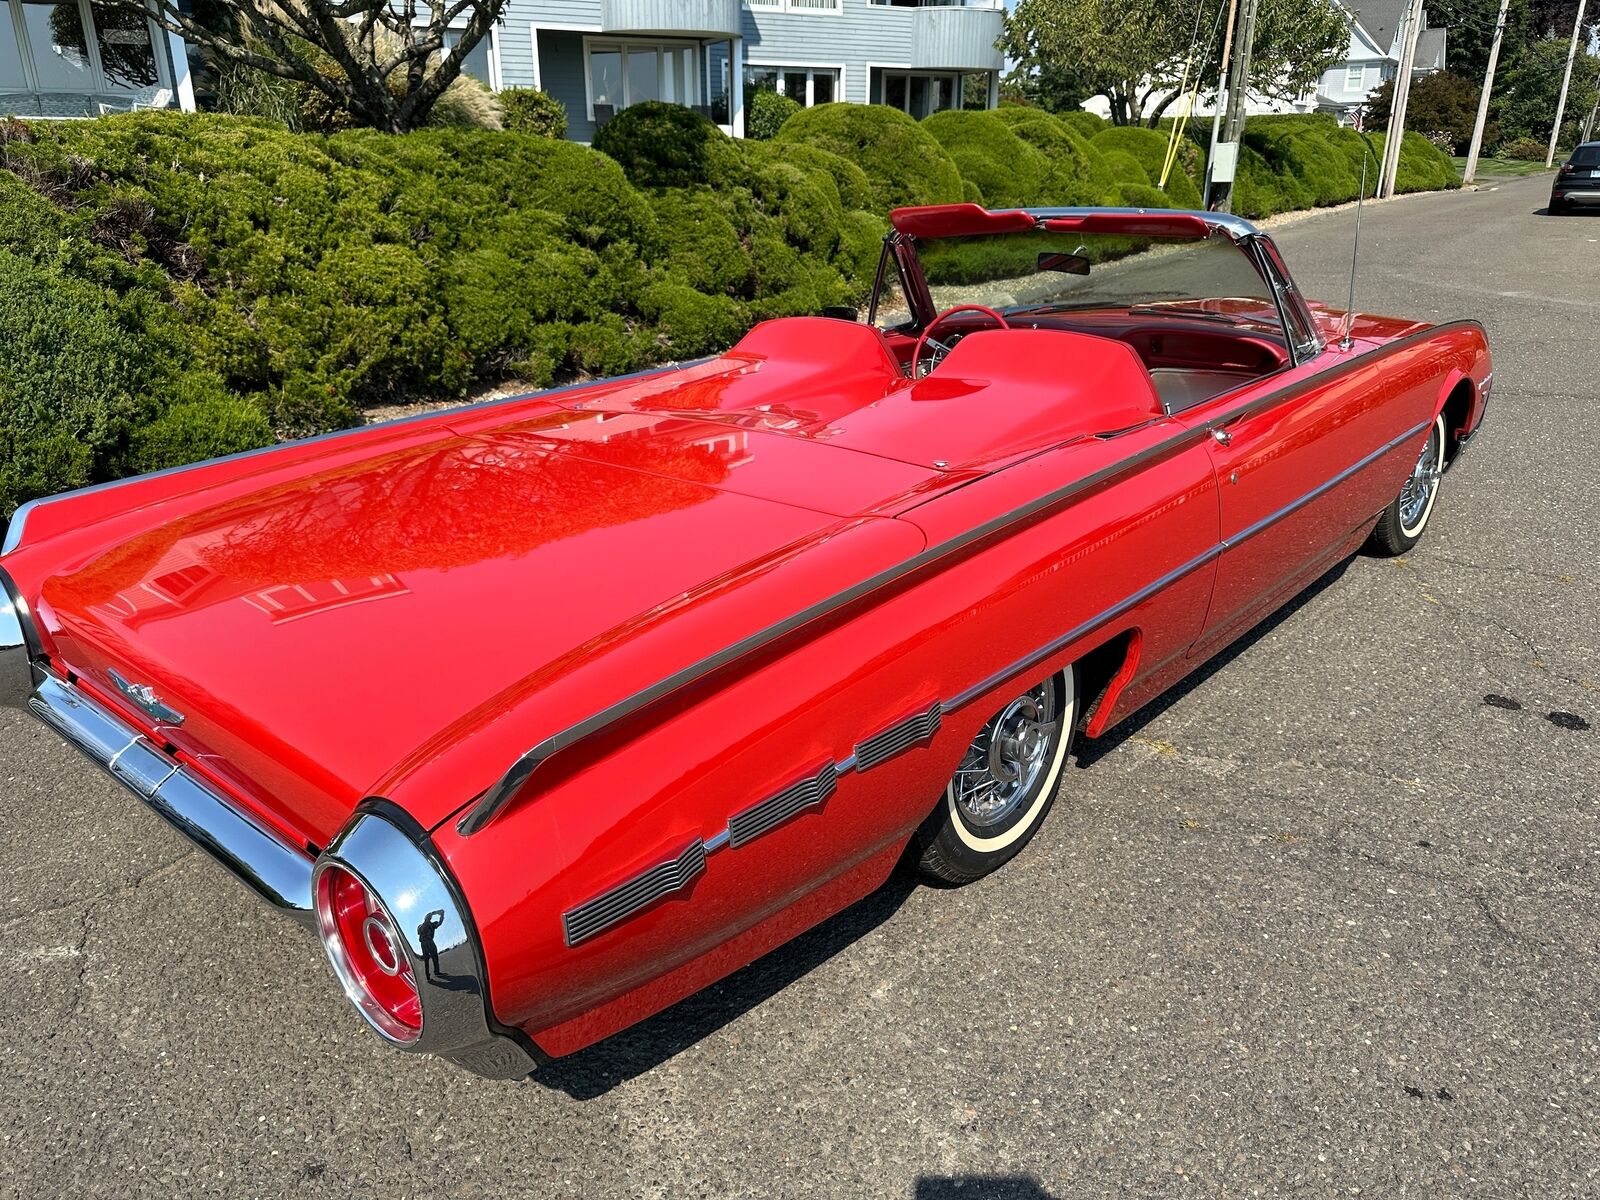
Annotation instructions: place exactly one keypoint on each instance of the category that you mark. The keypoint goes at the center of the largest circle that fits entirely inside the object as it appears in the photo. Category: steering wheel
(927, 337)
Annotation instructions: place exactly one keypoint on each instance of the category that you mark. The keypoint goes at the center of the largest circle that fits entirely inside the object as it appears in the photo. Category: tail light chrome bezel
(391, 856)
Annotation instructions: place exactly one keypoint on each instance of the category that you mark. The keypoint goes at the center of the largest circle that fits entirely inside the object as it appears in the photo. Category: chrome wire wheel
(1416, 497)
(1003, 785)
(1006, 759)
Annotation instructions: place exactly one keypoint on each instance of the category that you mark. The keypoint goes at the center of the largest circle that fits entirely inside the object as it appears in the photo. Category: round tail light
(368, 954)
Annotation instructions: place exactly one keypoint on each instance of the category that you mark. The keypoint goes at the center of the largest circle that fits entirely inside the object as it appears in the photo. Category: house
(1374, 56)
(71, 58)
(599, 56)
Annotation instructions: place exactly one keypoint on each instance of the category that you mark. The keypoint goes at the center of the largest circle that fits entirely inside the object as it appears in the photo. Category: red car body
(633, 681)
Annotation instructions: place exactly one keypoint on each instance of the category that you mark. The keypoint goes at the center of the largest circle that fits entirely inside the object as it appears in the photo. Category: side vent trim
(899, 737)
(629, 899)
(811, 792)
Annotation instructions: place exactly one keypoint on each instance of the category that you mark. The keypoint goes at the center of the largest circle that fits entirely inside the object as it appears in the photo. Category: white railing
(831, 6)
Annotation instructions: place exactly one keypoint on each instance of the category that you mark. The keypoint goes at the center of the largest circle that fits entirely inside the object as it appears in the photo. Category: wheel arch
(1457, 399)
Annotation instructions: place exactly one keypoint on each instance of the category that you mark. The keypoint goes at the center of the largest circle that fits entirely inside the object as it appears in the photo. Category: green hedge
(175, 286)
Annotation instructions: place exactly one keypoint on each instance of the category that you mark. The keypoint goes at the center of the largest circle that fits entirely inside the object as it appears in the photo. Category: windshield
(1044, 272)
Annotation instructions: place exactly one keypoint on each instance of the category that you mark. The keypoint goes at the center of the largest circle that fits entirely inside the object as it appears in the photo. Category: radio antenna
(1355, 250)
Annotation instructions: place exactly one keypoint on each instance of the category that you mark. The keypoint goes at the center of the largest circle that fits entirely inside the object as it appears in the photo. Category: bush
(200, 429)
(1004, 169)
(1148, 147)
(1524, 149)
(904, 162)
(767, 113)
(660, 145)
(1076, 173)
(1084, 124)
(528, 110)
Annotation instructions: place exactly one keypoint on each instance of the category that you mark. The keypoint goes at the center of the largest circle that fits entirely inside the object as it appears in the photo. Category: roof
(1430, 50)
(967, 220)
(1380, 18)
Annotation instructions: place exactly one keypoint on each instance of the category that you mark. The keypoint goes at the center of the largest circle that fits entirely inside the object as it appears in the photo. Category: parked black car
(1579, 180)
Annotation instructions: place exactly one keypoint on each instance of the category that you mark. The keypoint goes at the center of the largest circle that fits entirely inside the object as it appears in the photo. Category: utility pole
(1238, 92)
(1221, 102)
(1483, 100)
(1400, 96)
(1566, 81)
(1588, 125)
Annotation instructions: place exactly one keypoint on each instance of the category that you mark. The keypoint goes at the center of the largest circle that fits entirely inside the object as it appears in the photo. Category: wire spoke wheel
(1003, 785)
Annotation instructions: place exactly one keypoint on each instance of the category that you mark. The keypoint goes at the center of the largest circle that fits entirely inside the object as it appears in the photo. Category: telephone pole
(1566, 81)
(1227, 151)
(1483, 100)
(1221, 103)
(1400, 96)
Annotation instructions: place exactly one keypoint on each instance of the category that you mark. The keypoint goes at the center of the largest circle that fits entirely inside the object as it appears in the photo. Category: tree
(384, 62)
(1439, 103)
(1527, 100)
(1133, 52)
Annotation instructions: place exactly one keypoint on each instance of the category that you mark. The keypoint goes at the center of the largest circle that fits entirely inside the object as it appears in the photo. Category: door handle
(1222, 437)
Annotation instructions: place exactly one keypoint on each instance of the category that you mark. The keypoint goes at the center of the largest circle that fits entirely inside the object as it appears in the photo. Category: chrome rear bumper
(269, 866)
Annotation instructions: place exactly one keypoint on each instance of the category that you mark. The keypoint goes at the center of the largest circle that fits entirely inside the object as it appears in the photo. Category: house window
(476, 63)
(75, 46)
(919, 93)
(1355, 79)
(629, 72)
(804, 85)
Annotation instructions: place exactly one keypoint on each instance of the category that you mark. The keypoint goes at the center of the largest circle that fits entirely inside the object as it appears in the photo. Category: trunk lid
(316, 625)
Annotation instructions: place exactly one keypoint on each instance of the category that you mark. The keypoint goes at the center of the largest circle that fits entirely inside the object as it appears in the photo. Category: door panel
(1298, 475)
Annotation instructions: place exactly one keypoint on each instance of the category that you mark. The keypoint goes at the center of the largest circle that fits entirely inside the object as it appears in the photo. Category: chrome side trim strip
(633, 896)
(436, 929)
(277, 872)
(486, 807)
(19, 519)
(1077, 633)
(899, 737)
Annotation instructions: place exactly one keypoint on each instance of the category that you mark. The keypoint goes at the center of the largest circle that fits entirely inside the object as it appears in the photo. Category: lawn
(1501, 168)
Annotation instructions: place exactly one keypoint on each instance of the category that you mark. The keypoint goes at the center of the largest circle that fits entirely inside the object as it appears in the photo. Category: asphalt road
(1327, 922)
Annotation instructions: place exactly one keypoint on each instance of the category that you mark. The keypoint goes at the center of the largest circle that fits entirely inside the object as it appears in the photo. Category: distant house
(72, 58)
(1374, 57)
(599, 56)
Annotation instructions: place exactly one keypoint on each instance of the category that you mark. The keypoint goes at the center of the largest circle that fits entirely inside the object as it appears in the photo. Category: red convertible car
(545, 713)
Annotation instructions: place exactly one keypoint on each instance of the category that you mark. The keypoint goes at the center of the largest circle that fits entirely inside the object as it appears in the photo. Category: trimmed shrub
(1140, 195)
(1524, 149)
(1076, 173)
(1083, 123)
(200, 429)
(1148, 147)
(1125, 168)
(767, 113)
(1005, 170)
(529, 110)
(660, 145)
(903, 161)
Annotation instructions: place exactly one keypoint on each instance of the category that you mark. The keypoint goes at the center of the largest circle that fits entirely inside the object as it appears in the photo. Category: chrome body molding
(483, 810)
(812, 792)
(269, 866)
(438, 936)
(899, 737)
(629, 899)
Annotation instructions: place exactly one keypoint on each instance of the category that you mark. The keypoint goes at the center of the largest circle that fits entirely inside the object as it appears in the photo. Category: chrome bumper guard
(269, 866)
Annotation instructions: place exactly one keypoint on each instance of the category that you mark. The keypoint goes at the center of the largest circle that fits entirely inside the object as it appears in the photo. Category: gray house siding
(854, 42)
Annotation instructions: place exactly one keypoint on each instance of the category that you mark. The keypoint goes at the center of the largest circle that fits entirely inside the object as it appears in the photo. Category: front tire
(1401, 525)
(1004, 785)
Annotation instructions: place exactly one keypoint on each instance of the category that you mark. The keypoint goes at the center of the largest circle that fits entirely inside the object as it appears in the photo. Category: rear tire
(1402, 523)
(1004, 786)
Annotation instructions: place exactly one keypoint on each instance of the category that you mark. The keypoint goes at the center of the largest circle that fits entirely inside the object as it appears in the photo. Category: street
(1325, 921)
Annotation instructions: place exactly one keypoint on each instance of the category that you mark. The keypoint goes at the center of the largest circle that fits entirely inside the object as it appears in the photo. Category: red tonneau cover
(967, 220)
